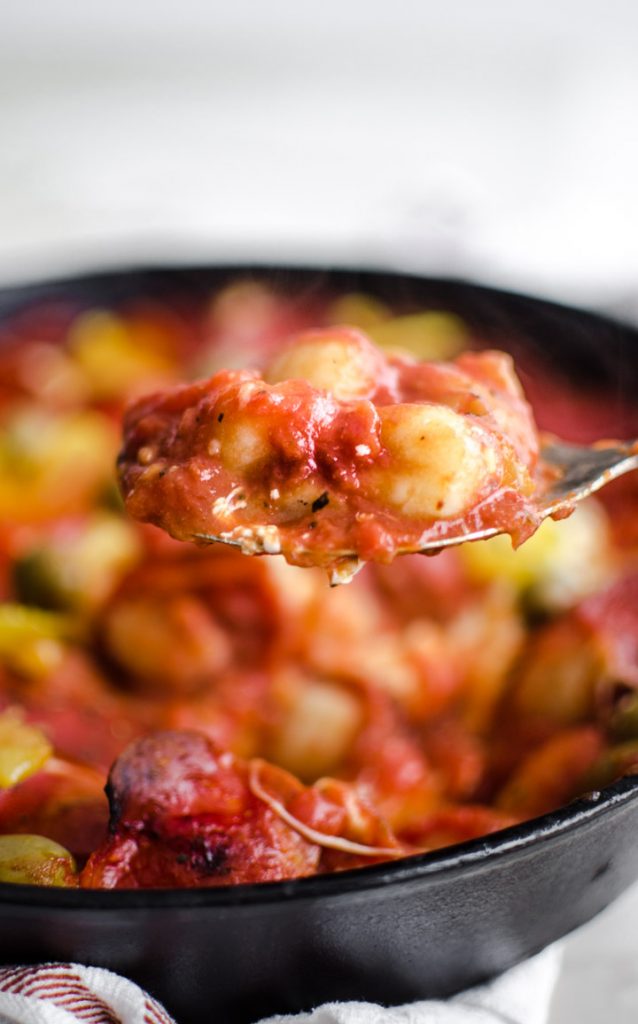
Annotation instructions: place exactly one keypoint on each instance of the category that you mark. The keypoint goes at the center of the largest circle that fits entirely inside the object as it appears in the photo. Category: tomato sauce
(249, 722)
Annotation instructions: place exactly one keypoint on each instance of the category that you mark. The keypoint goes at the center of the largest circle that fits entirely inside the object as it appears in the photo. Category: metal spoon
(580, 471)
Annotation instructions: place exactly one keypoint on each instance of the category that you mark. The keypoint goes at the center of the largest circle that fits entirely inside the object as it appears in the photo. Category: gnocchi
(341, 362)
(433, 695)
(338, 455)
(440, 463)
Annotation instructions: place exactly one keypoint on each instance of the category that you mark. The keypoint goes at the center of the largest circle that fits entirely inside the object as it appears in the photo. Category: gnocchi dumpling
(342, 362)
(440, 462)
(319, 721)
(243, 444)
(239, 438)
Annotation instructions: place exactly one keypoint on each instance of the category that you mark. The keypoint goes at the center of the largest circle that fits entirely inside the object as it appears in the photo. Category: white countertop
(491, 140)
(598, 983)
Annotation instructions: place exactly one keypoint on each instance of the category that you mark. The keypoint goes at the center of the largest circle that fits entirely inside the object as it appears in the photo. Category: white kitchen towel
(520, 996)
(72, 994)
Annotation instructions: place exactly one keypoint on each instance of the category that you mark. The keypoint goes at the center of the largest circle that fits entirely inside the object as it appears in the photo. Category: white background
(485, 138)
(488, 137)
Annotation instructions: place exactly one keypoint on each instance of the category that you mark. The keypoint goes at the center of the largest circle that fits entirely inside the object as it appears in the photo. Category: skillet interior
(426, 926)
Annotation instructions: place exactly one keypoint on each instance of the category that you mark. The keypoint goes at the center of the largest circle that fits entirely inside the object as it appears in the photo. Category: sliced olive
(35, 860)
(613, 764)
(623, 721)
(32, 640)
(23, 748)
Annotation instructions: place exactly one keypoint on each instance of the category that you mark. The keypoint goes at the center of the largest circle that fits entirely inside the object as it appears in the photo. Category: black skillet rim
(473, 854)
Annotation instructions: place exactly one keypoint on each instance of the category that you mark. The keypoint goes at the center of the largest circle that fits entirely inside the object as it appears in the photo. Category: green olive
(36, 581)
(623, 721)
(35, 860)
(24, 748)
(32, 640)
(77, 573)
(613, 764)
(430, 335)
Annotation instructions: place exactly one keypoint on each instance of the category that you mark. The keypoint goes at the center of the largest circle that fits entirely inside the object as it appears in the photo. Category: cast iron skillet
(422, 927)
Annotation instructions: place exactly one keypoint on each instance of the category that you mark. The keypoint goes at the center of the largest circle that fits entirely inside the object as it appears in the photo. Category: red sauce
(317, 481)
(254, 724)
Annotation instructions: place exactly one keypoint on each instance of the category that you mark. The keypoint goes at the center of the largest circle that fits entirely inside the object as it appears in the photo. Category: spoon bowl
(577, 471)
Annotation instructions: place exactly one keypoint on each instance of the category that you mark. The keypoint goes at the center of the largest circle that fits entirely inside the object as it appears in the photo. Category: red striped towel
(72, 994)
